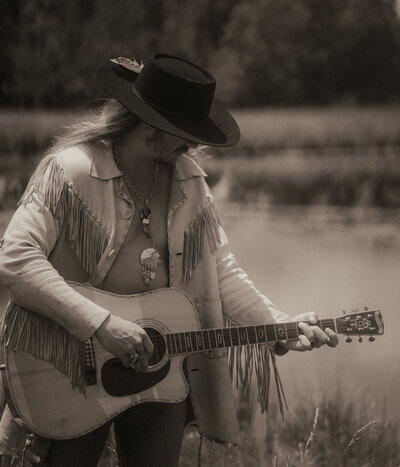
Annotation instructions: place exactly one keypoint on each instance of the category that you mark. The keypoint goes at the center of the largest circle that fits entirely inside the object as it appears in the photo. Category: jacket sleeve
(242, 302)
(32, 281)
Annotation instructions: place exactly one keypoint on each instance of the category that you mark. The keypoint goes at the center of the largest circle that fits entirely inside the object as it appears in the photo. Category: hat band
(179, 110)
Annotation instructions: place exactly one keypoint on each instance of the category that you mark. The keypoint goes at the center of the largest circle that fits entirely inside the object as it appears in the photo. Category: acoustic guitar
(45, 401)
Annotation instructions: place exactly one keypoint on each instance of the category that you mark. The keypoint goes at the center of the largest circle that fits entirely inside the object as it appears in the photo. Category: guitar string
(160, 342)
(161, 345)
(342, 329)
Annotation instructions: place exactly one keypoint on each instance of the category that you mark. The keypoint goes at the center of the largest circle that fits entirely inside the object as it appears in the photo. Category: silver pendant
(149, 259)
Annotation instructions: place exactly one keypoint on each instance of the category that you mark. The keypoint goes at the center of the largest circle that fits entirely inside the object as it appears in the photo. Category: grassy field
(337, 433)
(349, 430)
(296, 179)
(29, 132)
(312, 128)
(328, 156)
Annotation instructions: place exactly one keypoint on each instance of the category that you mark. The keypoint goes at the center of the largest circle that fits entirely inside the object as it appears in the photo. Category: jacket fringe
(87, 238)
(31, 332)
(253, 361)
(44, 339)
(204, 226)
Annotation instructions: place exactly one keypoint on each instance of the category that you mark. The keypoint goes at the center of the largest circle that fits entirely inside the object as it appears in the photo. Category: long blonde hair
(106, 123)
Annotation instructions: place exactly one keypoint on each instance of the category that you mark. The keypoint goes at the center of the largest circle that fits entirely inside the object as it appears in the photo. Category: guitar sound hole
(159, 346)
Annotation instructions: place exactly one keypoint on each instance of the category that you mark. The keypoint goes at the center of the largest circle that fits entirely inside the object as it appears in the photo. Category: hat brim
(218, 129)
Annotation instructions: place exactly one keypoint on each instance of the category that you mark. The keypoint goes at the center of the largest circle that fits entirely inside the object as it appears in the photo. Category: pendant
(145, 215)
(149, 259)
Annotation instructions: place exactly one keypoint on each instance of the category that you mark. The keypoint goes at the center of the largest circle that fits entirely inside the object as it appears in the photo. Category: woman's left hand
(312, 336)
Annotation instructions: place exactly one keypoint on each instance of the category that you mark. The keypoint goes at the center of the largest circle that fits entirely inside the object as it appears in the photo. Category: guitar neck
(224, 338)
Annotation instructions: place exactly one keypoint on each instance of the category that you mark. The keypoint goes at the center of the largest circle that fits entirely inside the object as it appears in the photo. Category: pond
(327, 261)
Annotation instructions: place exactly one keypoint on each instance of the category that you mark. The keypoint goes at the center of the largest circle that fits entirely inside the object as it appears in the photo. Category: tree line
(262, 52)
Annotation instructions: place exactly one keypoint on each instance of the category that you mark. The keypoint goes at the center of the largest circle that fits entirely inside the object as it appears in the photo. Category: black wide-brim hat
(173, 95)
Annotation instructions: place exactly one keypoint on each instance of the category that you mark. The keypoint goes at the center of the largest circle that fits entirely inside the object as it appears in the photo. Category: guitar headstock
(368, 322)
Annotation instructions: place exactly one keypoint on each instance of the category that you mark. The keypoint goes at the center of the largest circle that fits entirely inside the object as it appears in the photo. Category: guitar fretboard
(223, 338)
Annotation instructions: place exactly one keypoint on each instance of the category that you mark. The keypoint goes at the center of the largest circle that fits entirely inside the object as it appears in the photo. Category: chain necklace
(149, 257)
(145, 212)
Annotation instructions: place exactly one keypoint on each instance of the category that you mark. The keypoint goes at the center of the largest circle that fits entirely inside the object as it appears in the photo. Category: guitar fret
(260, 334)
(199, 339)
(220, 338)
(243, 336)
(173, 344)
(327, 323)
(235, 336)
(181, 337)
(292, 330)
(271, 332)
(188, 340)
(194, 341)
(286, 332)
(227, 337)
(206, 340)
(177, 344)
(179, 341)
(251, 334)
(280, 331)
(213, 339)
(169, 346)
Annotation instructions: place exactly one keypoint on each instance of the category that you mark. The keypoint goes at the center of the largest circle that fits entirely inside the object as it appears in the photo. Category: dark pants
(149, 435)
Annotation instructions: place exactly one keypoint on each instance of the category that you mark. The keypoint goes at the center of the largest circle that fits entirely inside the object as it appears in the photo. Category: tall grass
(340, 432)
(304, 156)
(294, 179)
(344, 127)
(29, 132)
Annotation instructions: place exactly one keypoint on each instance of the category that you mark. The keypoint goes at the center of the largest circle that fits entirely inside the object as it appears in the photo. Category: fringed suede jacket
(70, 224)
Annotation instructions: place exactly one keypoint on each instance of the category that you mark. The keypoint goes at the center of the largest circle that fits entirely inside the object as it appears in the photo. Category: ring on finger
(134, 359)
(313, 342)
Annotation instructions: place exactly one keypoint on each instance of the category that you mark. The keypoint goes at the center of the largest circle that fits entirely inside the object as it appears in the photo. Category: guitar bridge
(90, 364)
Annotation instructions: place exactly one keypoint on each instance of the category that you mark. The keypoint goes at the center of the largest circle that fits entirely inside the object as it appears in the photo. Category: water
(327, 261)
(324, 261)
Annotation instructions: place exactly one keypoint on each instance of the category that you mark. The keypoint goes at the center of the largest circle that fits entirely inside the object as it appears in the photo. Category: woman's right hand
(125, 340)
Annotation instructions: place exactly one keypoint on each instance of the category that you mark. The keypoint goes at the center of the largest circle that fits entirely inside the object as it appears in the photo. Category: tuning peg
(349, 339)
(365, 308)
(344, 312)
(360, 339)
(371, 339)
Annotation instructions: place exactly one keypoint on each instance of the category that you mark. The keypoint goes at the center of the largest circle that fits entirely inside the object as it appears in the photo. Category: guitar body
(46, 402)
(44, 399)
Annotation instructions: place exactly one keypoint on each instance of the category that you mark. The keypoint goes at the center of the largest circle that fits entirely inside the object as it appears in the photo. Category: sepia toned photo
(199, 233)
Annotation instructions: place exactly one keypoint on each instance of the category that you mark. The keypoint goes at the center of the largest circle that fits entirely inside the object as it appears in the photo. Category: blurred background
(310, 197)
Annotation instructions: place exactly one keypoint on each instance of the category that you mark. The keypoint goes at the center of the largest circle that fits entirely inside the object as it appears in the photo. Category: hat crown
(172, 84)
(171, 94)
